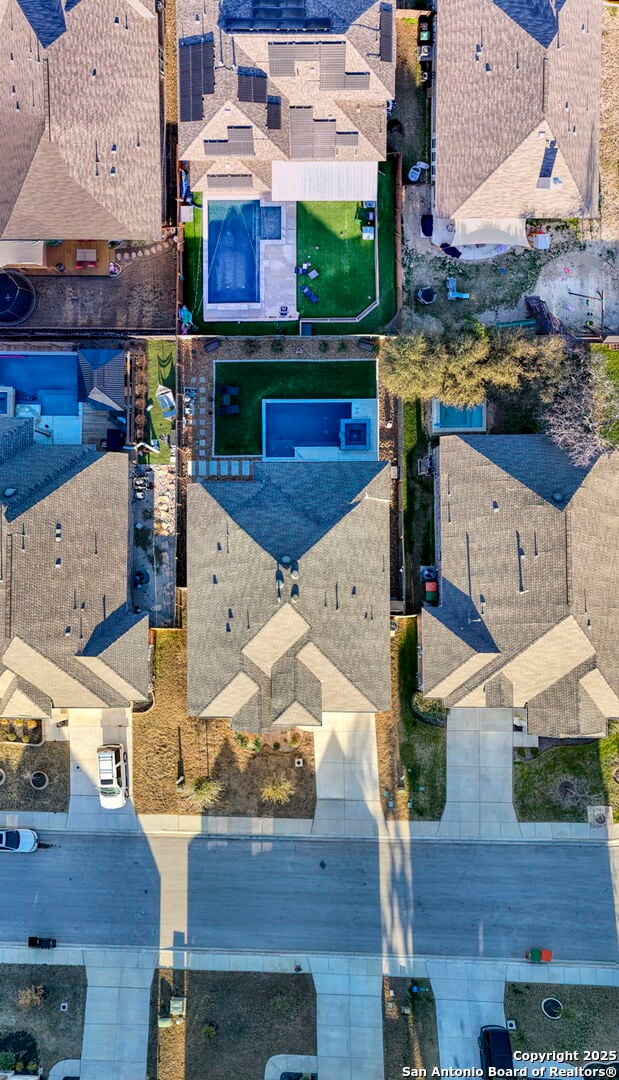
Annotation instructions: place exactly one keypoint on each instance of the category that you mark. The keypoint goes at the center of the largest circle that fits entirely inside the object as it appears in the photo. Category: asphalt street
(493, 900)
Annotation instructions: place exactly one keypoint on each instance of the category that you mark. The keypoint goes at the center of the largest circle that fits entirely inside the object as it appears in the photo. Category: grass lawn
(329, 236)
(409, 1040)
(161, 372)
(588, 1022)
(257, 380)
(18, 762)
(45, 1035)
(168, 741)
(589, 766)
(418, 498)
(378, 319)
(235, 1022)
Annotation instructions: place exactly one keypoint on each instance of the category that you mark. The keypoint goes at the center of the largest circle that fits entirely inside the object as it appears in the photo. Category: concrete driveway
(348, 796)
(88, 729)
(115, 1039)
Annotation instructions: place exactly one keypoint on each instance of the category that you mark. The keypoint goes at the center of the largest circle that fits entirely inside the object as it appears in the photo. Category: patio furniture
(415, 171)
(229, 410)
(300, 270)
(210, 346)
(311, 295)
(313, 274)
(234, 391)
(283, 310)
(366, 344)
(452, 290)
(367, 232)
(449, 249)
(86, 255)
(369, 204)
(426, 225)
(226, 399)
(426, 296)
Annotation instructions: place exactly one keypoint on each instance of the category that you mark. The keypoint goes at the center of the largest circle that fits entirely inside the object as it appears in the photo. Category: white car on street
(22, 840)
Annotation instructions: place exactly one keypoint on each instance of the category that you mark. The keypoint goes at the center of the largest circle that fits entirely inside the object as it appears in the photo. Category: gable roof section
(506, 97)
(289, 592)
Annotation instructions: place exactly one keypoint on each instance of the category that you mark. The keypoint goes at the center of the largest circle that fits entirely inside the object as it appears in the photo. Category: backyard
(560, 783)
(32, 1025)
(588, 1021)
(161, 357)
(329, 237)
(168, 743)
(410, 1038)
(235, 1022)
(242, 433)
(418, 501)
(411, 750)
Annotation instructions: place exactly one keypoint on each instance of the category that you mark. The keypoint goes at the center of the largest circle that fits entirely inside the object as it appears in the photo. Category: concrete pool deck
(278, 283)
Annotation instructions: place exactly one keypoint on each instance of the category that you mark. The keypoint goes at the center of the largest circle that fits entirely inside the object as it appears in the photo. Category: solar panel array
(196, 74)
(277, 15)
(240, 143)
(228, 181)
(386, 33)
(252, 85)
(347, 138)
(274, 113)
(316, 140)
(357, 80)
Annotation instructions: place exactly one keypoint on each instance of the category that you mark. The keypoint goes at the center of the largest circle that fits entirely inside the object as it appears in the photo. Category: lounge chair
(452, 290)
(300, 270)
(311, 295)
(210, 346)
(229, 410)
(232, 390)
(313, 274)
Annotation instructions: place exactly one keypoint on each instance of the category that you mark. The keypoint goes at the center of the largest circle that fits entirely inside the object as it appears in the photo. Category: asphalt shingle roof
(529, 568)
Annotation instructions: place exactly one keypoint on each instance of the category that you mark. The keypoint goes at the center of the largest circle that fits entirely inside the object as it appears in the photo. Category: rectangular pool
(47, 378)
(233, 238)
(446, 418)
(287, 424)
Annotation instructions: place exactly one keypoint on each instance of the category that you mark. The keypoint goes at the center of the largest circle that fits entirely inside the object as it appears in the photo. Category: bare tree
(584, 415)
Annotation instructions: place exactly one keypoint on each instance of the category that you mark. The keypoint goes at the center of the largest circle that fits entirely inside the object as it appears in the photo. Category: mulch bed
(409, 1040)
(19, 762)
(165, 735)
(58, 1034)
(254, 1017)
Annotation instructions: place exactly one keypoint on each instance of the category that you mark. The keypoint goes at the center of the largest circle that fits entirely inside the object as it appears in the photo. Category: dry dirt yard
(18, 762)
(167, 742)
(235, 1022)
(57, 1035)
(409, 1039)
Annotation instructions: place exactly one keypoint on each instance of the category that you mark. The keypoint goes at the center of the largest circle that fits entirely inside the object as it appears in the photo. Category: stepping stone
(190, 467)
(245, 468)
(235, 468)
(212, 468)
(202, 468)
(223, 467)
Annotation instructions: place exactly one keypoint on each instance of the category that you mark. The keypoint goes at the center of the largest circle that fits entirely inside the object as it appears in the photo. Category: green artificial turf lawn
(242, 434)
(161, 372)
(329, 236)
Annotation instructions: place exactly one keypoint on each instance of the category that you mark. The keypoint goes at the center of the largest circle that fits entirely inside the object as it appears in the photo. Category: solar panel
(332, 80)
(252, 85)
(386, 33)
(548, 161)
(333, 55)
(240, 141)
(302, 132)
(324, 139)
(274, 113)
(281, 58)
(357, 80)
(347, 138)
(229, 181)
(306, 50)
(196, 74)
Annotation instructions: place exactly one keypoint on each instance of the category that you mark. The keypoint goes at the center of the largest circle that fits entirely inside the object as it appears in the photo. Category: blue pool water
(302, 423)
(452, 418)
(49, 378)
(233, 252)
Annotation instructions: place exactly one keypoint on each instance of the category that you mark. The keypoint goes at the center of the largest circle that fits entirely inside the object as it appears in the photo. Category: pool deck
(278, 283)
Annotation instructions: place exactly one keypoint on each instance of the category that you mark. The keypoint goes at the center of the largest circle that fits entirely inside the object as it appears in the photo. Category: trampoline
(233, 252)
(17, 298)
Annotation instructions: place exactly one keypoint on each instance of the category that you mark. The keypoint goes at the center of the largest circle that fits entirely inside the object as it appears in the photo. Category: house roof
(79, 120)
(301, 95)
(528, 583)
(70, 637)
(517, 108)
(288, 587)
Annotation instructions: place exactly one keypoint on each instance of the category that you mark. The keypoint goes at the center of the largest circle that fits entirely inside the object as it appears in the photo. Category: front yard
(410, 1038)
(33, 1027)
(235, 1022)
(559, 784)
(588, 1021)
(169, 743)
(329, 236)
(19, 762)
(411, 751)
(242, 434)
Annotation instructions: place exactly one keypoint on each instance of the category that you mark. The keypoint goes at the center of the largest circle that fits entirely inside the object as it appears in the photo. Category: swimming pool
(233, 240)
(47, 378)
(447, 418)
(287, 424)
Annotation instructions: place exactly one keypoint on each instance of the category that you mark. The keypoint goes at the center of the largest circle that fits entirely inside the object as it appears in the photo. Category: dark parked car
(495, 1048)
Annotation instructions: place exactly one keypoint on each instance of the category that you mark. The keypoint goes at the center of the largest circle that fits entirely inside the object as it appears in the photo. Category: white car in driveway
(113, 781)
(22, 840)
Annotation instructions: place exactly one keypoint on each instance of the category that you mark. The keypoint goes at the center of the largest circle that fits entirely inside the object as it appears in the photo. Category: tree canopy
(461, 370)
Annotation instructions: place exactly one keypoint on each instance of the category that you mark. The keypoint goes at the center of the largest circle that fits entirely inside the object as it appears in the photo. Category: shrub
(19, 1066)
(209, 1031)
(256, 744)
(11, 736)
(32, 1066)
(277, 791)
(25, 738)
(276, 745)
(31, 997)
(7, 1059)
(251, 345)
(277, 345)
(323, 346)
(241, 739)
(32, 725)
(342, 345)
(204, 792)
(295, 738)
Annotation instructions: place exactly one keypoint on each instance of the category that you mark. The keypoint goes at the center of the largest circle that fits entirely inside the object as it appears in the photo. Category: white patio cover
(22, 253)
(324, 181)
(512, 231)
